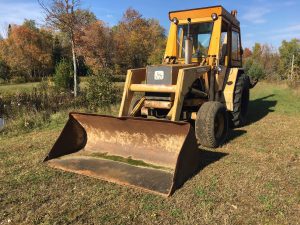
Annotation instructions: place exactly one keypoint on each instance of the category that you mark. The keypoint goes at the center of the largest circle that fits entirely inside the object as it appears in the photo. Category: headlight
(175, 20)
(214, 16)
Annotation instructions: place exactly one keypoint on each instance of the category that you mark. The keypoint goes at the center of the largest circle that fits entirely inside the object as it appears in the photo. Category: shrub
(101, 91)
(4, 71)
(24, 111)
(63, 77)
(18, 80)
(254, 69)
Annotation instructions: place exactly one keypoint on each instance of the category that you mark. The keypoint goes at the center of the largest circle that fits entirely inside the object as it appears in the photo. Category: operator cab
(201, 25)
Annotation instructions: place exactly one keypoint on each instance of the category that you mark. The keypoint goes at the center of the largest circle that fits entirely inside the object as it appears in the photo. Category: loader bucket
(157, 156)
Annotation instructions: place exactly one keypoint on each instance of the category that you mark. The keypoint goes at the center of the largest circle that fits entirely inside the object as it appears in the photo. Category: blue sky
(264, 21)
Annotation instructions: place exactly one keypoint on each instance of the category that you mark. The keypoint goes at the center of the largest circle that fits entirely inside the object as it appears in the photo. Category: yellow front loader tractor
(193, 98)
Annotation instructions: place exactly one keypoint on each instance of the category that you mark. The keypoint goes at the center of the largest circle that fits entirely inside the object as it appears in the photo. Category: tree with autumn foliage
(136, 41)
(28, 50)
(95, 44)
(247, 53)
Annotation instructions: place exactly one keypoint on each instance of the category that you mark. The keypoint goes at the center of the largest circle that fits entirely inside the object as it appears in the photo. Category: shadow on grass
(209, 157)
(259, 108)
(205, 158)
(234, 134)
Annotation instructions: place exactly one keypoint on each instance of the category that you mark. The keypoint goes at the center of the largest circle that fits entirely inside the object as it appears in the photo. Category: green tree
(257, 51)
(287, 50)
(31, 24)
(4, 70)
(101, 91)
(57, 53)
(254, 69)
(63, 75)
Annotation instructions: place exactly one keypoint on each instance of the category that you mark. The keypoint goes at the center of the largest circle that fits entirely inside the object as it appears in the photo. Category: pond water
(1, 123)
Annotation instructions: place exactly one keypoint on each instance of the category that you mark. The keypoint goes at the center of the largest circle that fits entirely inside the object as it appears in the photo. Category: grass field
(13, 88)
(27, 87)
(253, 179)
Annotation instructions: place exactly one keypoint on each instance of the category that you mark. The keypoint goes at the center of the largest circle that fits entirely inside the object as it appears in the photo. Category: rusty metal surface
(158, 104)
(146, 178)
(161, 143)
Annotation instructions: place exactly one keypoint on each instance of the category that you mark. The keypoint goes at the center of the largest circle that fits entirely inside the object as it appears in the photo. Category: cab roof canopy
(204, 12)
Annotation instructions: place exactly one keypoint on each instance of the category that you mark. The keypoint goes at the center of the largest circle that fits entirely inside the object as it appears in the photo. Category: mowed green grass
(27, 87)
(253, 179)
(17, 88)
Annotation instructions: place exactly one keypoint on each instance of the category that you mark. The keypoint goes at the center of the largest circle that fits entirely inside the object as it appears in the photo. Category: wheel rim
(219, 125)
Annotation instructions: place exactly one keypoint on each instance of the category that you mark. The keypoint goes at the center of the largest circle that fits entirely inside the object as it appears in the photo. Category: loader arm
(186, 77)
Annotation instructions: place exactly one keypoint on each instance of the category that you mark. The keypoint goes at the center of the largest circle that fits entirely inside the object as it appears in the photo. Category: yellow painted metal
(196, 20)
(158, 104)
(153, 88)
(204, 12)
(134, 76)
(196, 13)
(229, 88)
(138, 106)
(214, 47)
(194, 116)
(186, 77)
(171, 48)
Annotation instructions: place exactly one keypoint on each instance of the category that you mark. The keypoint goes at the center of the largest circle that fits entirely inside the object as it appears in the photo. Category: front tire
(240, 101)
(212, 124)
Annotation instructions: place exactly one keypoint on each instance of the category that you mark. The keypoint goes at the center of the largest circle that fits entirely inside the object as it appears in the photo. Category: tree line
(74, 40)
(30, 52)
(266, 62)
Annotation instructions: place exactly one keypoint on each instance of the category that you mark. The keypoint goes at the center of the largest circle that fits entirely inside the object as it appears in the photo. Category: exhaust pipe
(188, 45)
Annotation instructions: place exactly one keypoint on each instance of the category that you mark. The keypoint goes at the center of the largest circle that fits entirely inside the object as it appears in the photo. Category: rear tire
(212, 124)
(240, 101)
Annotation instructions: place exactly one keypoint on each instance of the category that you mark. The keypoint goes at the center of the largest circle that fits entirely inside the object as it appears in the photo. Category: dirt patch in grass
(257, 182)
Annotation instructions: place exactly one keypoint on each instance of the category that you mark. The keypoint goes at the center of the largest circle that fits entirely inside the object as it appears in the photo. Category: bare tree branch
(64, 15)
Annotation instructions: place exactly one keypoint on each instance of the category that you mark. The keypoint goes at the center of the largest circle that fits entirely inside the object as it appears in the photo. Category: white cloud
(289, 32)
(275, 36)
(291, 28)
(285, 36)
(256, 15)
(16, 12)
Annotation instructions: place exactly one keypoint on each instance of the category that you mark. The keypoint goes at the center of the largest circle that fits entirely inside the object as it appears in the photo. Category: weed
(200, 192)
(148, 203)
(176, 213)
(267, 202)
